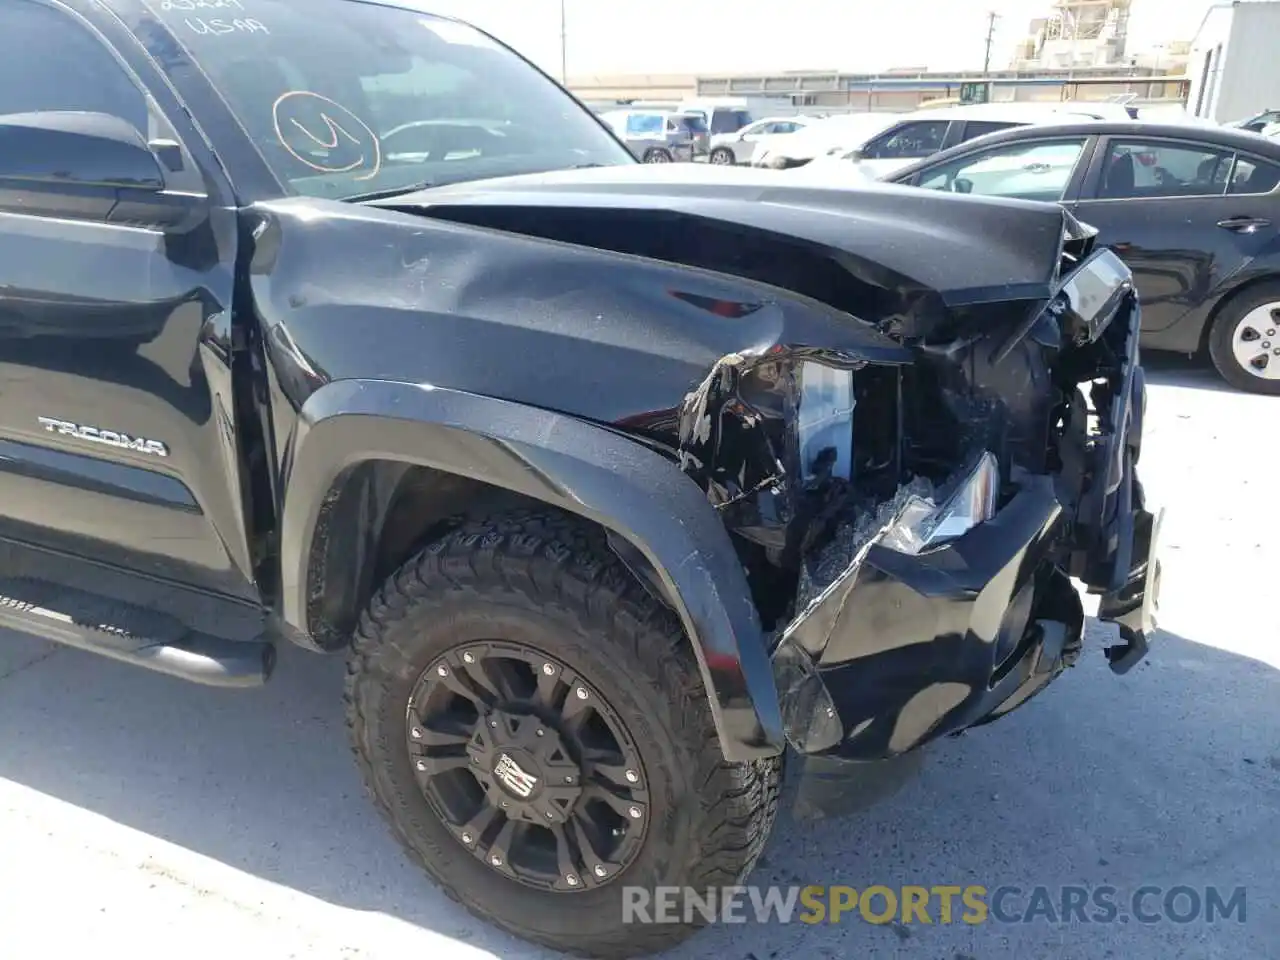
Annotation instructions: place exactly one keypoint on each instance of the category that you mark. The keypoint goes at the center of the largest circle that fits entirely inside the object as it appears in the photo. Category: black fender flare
(568, 463)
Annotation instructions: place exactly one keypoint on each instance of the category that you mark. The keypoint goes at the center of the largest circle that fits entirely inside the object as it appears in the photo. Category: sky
(738, 36)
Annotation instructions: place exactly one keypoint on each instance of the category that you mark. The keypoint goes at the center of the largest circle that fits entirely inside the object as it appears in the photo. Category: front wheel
(533, 725)
(658, 155)
(1244, 342)
(722, 156)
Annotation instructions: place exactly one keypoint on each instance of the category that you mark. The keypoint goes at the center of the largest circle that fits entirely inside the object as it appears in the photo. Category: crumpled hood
(969, 250)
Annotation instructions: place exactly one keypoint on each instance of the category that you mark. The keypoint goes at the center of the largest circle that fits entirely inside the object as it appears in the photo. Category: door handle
(1244, 224)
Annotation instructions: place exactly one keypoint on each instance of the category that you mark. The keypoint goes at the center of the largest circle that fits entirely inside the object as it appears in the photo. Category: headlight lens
(923, 524)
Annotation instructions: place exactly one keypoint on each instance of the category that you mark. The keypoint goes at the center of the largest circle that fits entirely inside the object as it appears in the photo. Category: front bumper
(902, 649)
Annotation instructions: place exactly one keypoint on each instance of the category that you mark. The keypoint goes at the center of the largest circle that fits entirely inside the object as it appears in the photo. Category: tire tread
(553, 560)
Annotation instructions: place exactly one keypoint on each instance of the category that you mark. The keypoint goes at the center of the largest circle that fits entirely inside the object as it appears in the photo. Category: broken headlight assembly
(824, 421)
(922, 523)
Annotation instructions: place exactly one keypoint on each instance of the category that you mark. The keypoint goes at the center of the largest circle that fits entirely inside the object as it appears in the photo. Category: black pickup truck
(337, 324)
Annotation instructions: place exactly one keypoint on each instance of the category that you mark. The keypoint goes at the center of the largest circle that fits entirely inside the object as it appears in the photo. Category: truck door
(117, 422)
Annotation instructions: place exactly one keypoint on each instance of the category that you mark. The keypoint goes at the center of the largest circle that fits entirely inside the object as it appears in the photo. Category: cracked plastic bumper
(905, 649)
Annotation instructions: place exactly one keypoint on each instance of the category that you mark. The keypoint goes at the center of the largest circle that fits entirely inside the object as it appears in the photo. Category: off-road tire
(1223, 329)
(658, 155)
(555, 581)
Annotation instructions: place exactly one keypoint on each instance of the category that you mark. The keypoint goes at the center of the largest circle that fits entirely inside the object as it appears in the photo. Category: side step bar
(131, 633)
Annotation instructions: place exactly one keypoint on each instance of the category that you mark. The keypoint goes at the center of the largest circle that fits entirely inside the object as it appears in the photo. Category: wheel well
(1244, 290)
(379, 513)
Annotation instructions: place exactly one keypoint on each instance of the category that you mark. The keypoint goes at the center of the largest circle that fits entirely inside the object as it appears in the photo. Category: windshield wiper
(388, 194)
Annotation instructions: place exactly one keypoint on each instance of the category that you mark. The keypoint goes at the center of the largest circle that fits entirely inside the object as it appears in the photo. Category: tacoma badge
(109, 438)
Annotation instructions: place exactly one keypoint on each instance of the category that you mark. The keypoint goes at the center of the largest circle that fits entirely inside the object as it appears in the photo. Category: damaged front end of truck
(911, 530)
(916, 415)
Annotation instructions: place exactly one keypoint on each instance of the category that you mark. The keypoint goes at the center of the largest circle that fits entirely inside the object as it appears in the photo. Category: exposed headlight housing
(824, 421)
(921, 523)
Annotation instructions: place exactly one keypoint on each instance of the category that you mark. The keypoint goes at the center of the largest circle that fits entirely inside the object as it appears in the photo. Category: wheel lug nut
(541, 733)
(494, 724)
(548, 669)
(415, 733)
(550, 815)
(442, 670)
(1271, 333)
(504, 804)
(422, 765)
(571, 880)
(468, 657)
(1266, 344)
(467, 838)
(600, 871)
(496, 860)
(635, 813)
(581, 693)
(632, 776)
(568, 779)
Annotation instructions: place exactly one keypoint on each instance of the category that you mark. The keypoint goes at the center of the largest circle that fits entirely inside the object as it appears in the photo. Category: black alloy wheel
(528, 766)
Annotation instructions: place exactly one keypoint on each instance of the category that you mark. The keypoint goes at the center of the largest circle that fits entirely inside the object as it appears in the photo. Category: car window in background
(346, 99)
(1252, 175)
(980, 128)
(49, 61)
(691, 123)
(645, 125)
(1025, 171)
(1144, 169)
(909, 141)
(729, 121)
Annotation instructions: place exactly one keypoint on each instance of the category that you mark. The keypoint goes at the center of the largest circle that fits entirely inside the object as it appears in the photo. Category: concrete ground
(140, 814)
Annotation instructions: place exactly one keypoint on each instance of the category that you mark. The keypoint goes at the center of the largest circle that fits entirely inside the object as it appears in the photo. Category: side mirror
(82, 149)
(855, 155)
(961, 185)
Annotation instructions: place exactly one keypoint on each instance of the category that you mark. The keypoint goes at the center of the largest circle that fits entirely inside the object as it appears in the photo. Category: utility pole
(992, 17)
(564, 48)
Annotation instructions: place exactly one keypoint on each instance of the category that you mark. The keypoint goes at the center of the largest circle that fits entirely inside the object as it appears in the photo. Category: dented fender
(567, 463)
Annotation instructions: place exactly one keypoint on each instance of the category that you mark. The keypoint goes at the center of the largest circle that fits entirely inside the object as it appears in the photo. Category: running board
(131, 633)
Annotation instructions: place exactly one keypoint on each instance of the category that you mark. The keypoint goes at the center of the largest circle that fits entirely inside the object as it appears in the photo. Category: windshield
(346, 98)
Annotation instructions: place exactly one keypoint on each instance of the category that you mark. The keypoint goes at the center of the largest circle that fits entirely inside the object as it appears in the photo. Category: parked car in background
(836, 134)
(660, 136)
(1193, 210)
(721, 114)
(740, 147)
(1257, 122)
(926, 132)
(1271, 130)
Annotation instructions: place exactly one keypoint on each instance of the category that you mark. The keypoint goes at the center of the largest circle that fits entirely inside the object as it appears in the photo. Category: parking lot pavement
(144, 815)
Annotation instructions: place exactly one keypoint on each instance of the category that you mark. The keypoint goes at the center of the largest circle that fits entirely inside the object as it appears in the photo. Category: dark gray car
(661, 136)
